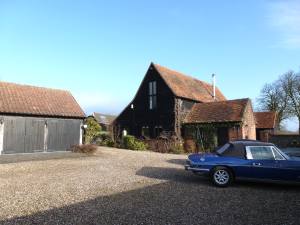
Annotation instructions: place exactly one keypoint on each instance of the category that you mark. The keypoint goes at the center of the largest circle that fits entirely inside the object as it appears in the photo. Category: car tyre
(222, 176)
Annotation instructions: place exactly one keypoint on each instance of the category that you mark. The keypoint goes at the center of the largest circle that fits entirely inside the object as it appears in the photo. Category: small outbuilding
(266, 125)
(104, 120)
(36, 119)
(221, 121)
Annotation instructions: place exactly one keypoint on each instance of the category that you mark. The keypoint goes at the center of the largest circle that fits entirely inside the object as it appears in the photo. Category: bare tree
(290, 83)
(273, 98)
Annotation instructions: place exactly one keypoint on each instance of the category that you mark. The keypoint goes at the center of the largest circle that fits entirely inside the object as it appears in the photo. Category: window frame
(144, 128)
(152, 95)
(279, 153)
(249, 155)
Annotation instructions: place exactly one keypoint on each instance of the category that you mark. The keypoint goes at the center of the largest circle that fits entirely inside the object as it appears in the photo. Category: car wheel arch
(226, 166)
(218, 176)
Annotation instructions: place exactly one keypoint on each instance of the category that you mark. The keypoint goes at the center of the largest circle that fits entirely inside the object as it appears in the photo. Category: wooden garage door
(34, 135)
(23, 135)
(62, 134)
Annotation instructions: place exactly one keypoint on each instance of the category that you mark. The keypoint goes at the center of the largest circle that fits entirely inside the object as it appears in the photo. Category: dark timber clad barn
(35, 119)
(163, 99)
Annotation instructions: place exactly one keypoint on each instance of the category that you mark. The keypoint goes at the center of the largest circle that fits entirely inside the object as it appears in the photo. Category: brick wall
(249, 126)
(284, 141)
(235, 133)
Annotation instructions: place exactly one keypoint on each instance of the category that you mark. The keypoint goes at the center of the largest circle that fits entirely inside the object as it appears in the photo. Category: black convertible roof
(246, 142)
(237, 148)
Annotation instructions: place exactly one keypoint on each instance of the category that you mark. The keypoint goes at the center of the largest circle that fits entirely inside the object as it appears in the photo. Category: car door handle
(256, 164)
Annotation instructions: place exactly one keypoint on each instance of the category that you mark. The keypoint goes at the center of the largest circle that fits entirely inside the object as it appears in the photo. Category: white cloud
(284, 16)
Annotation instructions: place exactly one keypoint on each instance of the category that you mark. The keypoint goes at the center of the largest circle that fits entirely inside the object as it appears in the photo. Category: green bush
(108, 143)
(177, 149)
(130, 142)
(104, 139)
(105, 136)
(92, 131)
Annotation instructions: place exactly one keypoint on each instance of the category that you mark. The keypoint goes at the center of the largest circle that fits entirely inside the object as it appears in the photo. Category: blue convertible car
(246, 159)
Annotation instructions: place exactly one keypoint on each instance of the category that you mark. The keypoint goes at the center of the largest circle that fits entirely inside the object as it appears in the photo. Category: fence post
(1, 135)
(45, 136)
(81, 133)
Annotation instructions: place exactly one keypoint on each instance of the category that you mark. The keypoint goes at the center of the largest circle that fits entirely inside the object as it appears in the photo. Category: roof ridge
(33, 100)
(218, 111)
(200, 91)
(33, 86)
(178, 72)
(183, 74)
(230, 100)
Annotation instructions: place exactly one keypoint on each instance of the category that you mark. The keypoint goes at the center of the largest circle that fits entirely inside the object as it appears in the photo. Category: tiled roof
(103, 118)
(30, 100)
(188, 87)
(222, 111)
(265, 120)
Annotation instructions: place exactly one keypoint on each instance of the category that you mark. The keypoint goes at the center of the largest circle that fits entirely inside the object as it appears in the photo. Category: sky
(100, 50)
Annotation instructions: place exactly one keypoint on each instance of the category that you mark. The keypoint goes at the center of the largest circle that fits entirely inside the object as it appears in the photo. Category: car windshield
(221, 150)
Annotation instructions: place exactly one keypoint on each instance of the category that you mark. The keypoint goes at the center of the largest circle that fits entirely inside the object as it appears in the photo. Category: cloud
(284, 17)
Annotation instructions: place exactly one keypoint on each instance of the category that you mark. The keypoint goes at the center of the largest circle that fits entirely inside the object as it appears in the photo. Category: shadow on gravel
(180, 175)
(188, 202)
(15, 158)
(177, 161)
(172, 174)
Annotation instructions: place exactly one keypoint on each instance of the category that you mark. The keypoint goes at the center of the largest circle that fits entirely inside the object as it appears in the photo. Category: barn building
(35, 119)
(170, 102)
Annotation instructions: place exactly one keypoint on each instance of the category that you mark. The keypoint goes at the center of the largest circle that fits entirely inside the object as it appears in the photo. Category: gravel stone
(117, 186)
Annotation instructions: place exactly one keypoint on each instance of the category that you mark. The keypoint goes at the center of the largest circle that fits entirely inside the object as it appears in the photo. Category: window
(277, 155)
(157, 130)
(260, 153)
(221, 150)
(152, 95)
(145, 131)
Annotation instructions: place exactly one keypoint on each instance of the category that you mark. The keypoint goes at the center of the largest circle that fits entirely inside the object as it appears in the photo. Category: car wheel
(221, 176)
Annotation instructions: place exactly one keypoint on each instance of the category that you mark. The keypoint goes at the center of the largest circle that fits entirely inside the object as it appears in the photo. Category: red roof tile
(266, 120)
(188, 87)
(222, 111)
(30, 100)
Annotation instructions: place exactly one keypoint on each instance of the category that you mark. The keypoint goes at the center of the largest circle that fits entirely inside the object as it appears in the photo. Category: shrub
(165, 145)
(190, 145)
(108, 143)
(130, 142)
(104, 139)
(105, 136)
(177, 149)
(87, 149)
(92, 131)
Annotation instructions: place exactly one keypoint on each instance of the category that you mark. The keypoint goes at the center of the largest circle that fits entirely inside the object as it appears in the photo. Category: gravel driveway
(126, 187)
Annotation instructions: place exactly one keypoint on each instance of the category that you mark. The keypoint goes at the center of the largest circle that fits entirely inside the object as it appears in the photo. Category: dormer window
(152, 95)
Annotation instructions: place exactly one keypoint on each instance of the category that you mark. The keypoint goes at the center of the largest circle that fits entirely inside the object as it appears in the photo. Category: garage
(35, 119)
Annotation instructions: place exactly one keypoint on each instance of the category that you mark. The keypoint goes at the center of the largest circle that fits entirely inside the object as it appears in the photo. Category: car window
(223, 149)
(277, 155)
(261, 152)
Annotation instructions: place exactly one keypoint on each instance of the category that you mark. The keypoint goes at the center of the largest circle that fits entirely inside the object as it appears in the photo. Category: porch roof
(217, 112)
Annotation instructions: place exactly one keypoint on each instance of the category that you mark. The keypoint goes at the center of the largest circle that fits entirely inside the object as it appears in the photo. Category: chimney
(214, 85)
